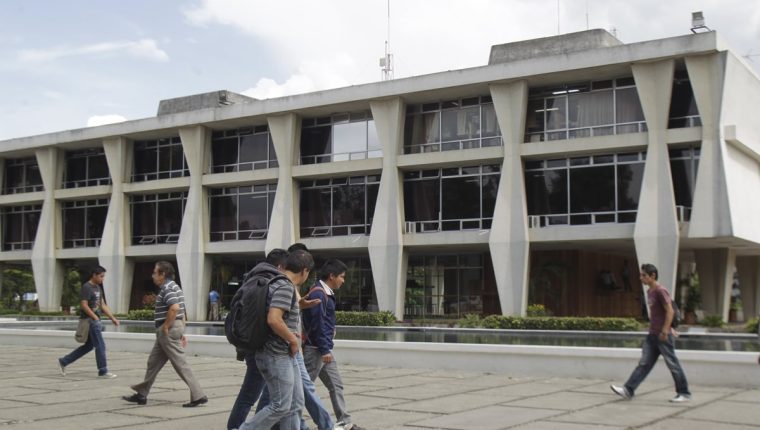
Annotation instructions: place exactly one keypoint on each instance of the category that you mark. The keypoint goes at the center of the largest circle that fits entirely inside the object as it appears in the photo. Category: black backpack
(676, 315)
(246, 324)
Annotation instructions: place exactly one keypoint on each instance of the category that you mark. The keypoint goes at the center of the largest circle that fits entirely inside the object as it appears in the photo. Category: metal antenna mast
(386, 63)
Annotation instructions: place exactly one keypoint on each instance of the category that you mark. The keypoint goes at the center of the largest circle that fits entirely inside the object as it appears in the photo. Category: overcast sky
(77, 63)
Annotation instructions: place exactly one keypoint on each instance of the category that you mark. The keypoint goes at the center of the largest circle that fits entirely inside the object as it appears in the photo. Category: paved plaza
(33, 395)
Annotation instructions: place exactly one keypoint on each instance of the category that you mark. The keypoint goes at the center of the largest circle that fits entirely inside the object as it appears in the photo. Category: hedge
(384, 318)
(140, 314)
(752, 325)
(550, 323)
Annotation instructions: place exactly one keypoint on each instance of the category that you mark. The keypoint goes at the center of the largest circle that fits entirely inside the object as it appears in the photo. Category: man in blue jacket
(319, 327)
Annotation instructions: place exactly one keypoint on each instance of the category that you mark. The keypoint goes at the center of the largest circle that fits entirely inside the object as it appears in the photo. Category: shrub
(140, 314)
(384, 318)
(552, 323)
(752, 325)
(470, 321)
(713, 321)
(537, 311)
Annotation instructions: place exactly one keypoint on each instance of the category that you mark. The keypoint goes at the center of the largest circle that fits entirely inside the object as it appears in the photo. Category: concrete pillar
(655, 234)
(285, 132)
(116, 236)
(386, 242)
(748, 269)
(48, 271)
(193, 264)
(509, 242)
(716, 275)
(711, 214)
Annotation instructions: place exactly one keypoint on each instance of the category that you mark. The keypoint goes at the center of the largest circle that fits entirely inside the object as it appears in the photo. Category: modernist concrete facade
(716, 231)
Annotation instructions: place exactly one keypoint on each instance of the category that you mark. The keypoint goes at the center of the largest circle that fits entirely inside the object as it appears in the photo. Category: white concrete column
(710, 215)
(112, 251)
(655, 234)
(285, 132)
(193, 264)
(509, 241)
(716, 275)
(386, 241)
(48, 271)
(748, 269)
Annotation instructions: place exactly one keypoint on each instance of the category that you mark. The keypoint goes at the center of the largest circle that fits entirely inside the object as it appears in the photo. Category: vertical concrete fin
(656, 234)
(711, 212)
(509, 240)
(716, 274)
(386, 247)
(748, 269)
(115, 239)
(284, 130)
(193, 264)
(48, 271)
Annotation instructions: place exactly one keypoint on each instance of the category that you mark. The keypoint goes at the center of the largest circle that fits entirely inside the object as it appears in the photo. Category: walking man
(170, 339)
(92, 306)
(658, 342)
(319, 327)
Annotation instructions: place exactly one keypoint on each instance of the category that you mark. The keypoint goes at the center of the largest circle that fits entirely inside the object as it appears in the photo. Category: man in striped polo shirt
(170, 339)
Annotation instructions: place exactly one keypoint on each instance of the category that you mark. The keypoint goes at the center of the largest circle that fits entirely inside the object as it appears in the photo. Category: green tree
(17, 279)
(72, 282)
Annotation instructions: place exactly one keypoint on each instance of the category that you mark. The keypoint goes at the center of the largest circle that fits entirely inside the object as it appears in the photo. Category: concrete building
(546, 176)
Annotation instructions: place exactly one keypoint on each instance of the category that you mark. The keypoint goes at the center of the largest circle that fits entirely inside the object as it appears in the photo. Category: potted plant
(693, 298)
(736, 313)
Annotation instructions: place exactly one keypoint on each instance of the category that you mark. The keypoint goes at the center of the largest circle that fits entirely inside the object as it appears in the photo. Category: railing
(155, 239)
(87, 183)
(243, 167)
(579, 132)
(142, 177)
(584, 218)
(683, 213)
(336, 230)
(81, 243)
(23, 189)
(223, 236)
(447, 225)
(454, 145)
(341, 156)
(685, 121)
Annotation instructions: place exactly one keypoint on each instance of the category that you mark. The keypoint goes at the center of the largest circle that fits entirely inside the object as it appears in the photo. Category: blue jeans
(284, 385)
(253, 384)
(95, 340)
(314, 404)
(651, 349)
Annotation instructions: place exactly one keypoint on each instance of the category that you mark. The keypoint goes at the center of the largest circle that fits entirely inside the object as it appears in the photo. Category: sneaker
(680, 398)
(621, 391)
(62, 367)
(107, 375)
(136, 398)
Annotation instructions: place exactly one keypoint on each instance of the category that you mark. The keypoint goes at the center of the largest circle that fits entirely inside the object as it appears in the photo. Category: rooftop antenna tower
(386, 62)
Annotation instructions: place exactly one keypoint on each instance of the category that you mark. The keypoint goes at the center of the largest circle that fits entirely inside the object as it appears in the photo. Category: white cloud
(97, 120)
(311, 76)
(143, 48)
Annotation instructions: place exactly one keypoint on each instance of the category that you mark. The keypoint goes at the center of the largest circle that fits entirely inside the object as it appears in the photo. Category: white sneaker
(680, 398)
(621, 391)
(108, 375)
(62, 367)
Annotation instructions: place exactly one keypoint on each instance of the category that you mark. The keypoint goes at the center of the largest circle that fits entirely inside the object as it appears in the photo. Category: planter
(690, 318)
(732, 315)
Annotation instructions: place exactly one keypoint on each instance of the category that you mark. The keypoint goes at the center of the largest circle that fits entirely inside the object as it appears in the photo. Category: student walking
(93, 305)
(658, 342)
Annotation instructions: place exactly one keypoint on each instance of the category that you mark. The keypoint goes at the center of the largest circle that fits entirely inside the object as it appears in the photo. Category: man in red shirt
(658, 342)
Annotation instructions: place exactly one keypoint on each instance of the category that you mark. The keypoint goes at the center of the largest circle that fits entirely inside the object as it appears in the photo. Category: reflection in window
(86, 168)
(241, 213)
(451, 125)
(584, 190)
(159, 159)
(242, 149)
(599, 108)
(20, 226)
(341, 137)
(449, 286)
(459, 198)
(157, 218)
(83, 222)
(358, 292)
(338, 206)
(684, 163)
(22, 175)
(683, 105)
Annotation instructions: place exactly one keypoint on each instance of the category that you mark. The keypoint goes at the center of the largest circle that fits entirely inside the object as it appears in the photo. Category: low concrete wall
(736, 369)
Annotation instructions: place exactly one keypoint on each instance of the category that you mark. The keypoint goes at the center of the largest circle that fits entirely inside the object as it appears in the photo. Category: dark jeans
(95, 340)
(253, 384)
(651, 349)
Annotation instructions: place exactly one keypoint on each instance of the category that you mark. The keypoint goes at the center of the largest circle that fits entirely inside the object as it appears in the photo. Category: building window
(584, 190)
(20, 226)
(242, 149)
(22, 175)
(86, 168)
(458, 198)
(83, 222)
(683, 106)
(451, 125)
(599, 108)
(241, 213)
(448, 286)
(157, 218)
(159, 159)
(338, 206)
(684, 163)
(340, 137)
(358, 292)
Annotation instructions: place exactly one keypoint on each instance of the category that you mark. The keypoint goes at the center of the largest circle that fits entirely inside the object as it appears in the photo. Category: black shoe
(136, 398)
(194, 403)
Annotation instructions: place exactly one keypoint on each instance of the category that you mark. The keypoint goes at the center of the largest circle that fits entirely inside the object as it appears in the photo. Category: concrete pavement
(33, 395)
